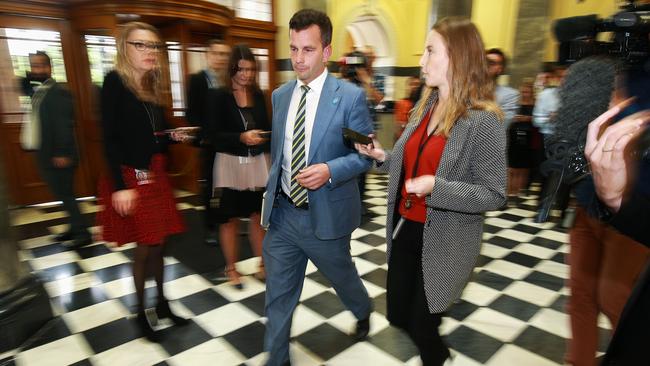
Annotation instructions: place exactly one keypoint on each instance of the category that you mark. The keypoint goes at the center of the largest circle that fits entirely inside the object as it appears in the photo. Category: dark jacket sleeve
(196, 99)
(262, 118)
(633, 218)
(63, 141)
(111, 93)
(225, 121)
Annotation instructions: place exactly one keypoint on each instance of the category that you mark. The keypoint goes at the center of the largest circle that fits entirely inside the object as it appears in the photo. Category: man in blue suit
(311, 203)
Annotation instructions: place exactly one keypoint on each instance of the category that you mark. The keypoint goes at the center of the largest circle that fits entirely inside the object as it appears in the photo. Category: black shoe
(63, 236)
(163, 311)
(363, 328)
(79, 242)
(146, 329)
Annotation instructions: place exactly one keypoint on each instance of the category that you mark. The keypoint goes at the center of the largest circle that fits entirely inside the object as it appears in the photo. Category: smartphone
(355, 136)
(265, 134)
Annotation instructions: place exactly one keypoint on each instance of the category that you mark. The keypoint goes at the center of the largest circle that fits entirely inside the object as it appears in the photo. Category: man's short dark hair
(214, 41)
(497, 51)
(42, 54)
(305, 18)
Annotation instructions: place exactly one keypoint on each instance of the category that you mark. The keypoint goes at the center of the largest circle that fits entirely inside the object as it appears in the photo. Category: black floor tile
(320, 278)
(522, 259)
(326, 304)
(93, 251)
(255, 303)
(376, 277)
(473, 344)
(510, 217)
(375, 256)
(113, 334)
(514, 307)
(559, 258)
(113, 273)
(542, 343)
(81, 299)
(372, 239)
(545, 280)
(461, 310)
(482, 260)
(379, 303)
(9, 361)
(46, 250)
(249, 340)
(546, 243)
(503, 242)
(526, 229)
(176, 271)
(204, 301)
(177, 339)
(371, 226)
(560, 303)
(491, 229)
(394, 342)
(325, 341)
(59, 272)
(130, 301)
(493, 280)
(85, 362)
(52, 331)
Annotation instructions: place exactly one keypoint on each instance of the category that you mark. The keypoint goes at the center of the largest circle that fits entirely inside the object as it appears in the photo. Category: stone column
(528, 52)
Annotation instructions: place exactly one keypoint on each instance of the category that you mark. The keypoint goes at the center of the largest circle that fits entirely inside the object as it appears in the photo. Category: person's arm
(486, 191)
(347, 167)
(510, 106)
(63, 118)
(110, 98)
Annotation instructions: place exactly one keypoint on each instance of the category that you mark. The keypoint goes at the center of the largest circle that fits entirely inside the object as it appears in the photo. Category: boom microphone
(584, 95)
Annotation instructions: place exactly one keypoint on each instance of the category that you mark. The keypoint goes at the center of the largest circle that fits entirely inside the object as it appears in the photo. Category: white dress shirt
(311, 105)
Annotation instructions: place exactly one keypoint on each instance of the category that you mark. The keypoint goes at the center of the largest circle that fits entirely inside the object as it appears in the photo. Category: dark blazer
(225, 123)
(197, 94)
(56, 113)
(128, 134)
(334, 208)
(470, 180)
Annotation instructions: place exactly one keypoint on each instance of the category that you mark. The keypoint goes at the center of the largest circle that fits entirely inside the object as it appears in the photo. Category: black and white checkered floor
(511, 313)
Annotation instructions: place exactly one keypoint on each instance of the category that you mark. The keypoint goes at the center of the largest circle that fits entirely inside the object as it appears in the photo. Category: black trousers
(406, 300)
(61, 184)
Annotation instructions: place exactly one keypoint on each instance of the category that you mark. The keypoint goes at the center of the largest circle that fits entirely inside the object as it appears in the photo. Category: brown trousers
(604, 266)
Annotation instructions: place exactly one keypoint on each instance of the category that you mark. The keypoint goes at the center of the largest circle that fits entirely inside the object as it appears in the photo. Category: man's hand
(606, 153)
(314, 176)
(61, 161)
(420, 186)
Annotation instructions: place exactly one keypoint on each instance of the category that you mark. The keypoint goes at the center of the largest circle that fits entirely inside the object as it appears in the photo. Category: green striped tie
(298, 159)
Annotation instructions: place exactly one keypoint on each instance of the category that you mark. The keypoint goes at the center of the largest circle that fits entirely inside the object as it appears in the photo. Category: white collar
(317, 84)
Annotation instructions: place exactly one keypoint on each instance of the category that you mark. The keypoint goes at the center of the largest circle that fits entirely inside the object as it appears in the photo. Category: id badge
(244, 160)
(143, 177)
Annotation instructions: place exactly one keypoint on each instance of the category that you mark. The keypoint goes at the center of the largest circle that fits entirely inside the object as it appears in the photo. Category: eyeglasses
(141, 46)
(246, 69)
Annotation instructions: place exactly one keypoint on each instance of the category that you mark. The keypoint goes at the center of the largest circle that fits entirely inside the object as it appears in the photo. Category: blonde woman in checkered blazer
(446, 170)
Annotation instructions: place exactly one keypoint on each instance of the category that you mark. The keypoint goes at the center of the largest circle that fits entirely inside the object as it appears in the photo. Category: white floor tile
(495, 221)
(346, 322)
(515, 235)
(95, 315)
(479, 294)
(508, 269)
(251, 287)
(553, 268)
(55, 260)
(494, 251)
(64, 351)
(311, 288)
(71, 284)
(139, 352)
(554, 235)
(363, 353)
(553, 322)
(495, 324)
(225, 319)
(531, 293)
(535, 251)
(185, 286)
(215, 351)
(304, 319)
(511, 355)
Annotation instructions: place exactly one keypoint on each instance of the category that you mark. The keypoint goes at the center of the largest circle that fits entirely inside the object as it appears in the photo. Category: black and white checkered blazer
(470, 180)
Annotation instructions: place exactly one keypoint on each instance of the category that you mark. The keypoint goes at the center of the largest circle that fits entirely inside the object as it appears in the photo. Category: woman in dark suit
(446, 170)
(240, 120)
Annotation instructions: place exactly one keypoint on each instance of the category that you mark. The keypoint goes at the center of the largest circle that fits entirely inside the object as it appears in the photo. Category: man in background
(506, 97)
(212, 77)
(56, 154)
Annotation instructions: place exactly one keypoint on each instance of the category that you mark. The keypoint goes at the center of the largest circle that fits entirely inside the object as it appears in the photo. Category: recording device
(630, 27)
(355, 136)
(264, 134)
(350, 63)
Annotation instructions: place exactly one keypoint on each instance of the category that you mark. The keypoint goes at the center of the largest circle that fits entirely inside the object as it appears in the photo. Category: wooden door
(20, 36)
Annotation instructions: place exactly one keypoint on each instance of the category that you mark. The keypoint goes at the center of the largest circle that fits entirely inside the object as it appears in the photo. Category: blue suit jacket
(335, 208)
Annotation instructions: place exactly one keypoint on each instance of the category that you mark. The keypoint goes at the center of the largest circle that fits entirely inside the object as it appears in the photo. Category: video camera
(631, 25)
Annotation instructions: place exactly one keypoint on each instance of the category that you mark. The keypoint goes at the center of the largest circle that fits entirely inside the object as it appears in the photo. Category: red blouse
(429, 148)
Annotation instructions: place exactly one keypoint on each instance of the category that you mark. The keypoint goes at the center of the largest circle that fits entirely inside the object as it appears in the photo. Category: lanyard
(421, 146)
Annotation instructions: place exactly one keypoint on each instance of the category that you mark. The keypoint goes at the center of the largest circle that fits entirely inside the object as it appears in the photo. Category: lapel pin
(336, 100)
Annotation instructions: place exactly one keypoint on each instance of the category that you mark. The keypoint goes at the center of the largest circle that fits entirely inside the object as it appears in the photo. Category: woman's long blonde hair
(154, 83)
(470, 86)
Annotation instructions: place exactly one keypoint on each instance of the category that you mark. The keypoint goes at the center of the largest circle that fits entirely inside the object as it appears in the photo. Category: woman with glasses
(446, 170)
(241, 131)
(137, 197)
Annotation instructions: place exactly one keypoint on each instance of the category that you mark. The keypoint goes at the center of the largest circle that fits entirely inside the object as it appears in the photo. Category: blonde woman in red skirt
(138, 201)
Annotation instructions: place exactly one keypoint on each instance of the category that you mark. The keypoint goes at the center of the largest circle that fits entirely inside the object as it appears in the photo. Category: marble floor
(511, 313)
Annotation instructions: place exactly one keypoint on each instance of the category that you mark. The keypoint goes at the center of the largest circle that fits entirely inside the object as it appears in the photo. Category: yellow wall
(563, 8)
(284, 9)
(497, 22)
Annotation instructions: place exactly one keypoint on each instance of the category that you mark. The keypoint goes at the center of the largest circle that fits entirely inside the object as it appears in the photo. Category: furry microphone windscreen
(584, 95)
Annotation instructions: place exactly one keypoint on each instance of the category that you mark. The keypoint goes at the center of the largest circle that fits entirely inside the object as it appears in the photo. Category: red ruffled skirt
(154, 216)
